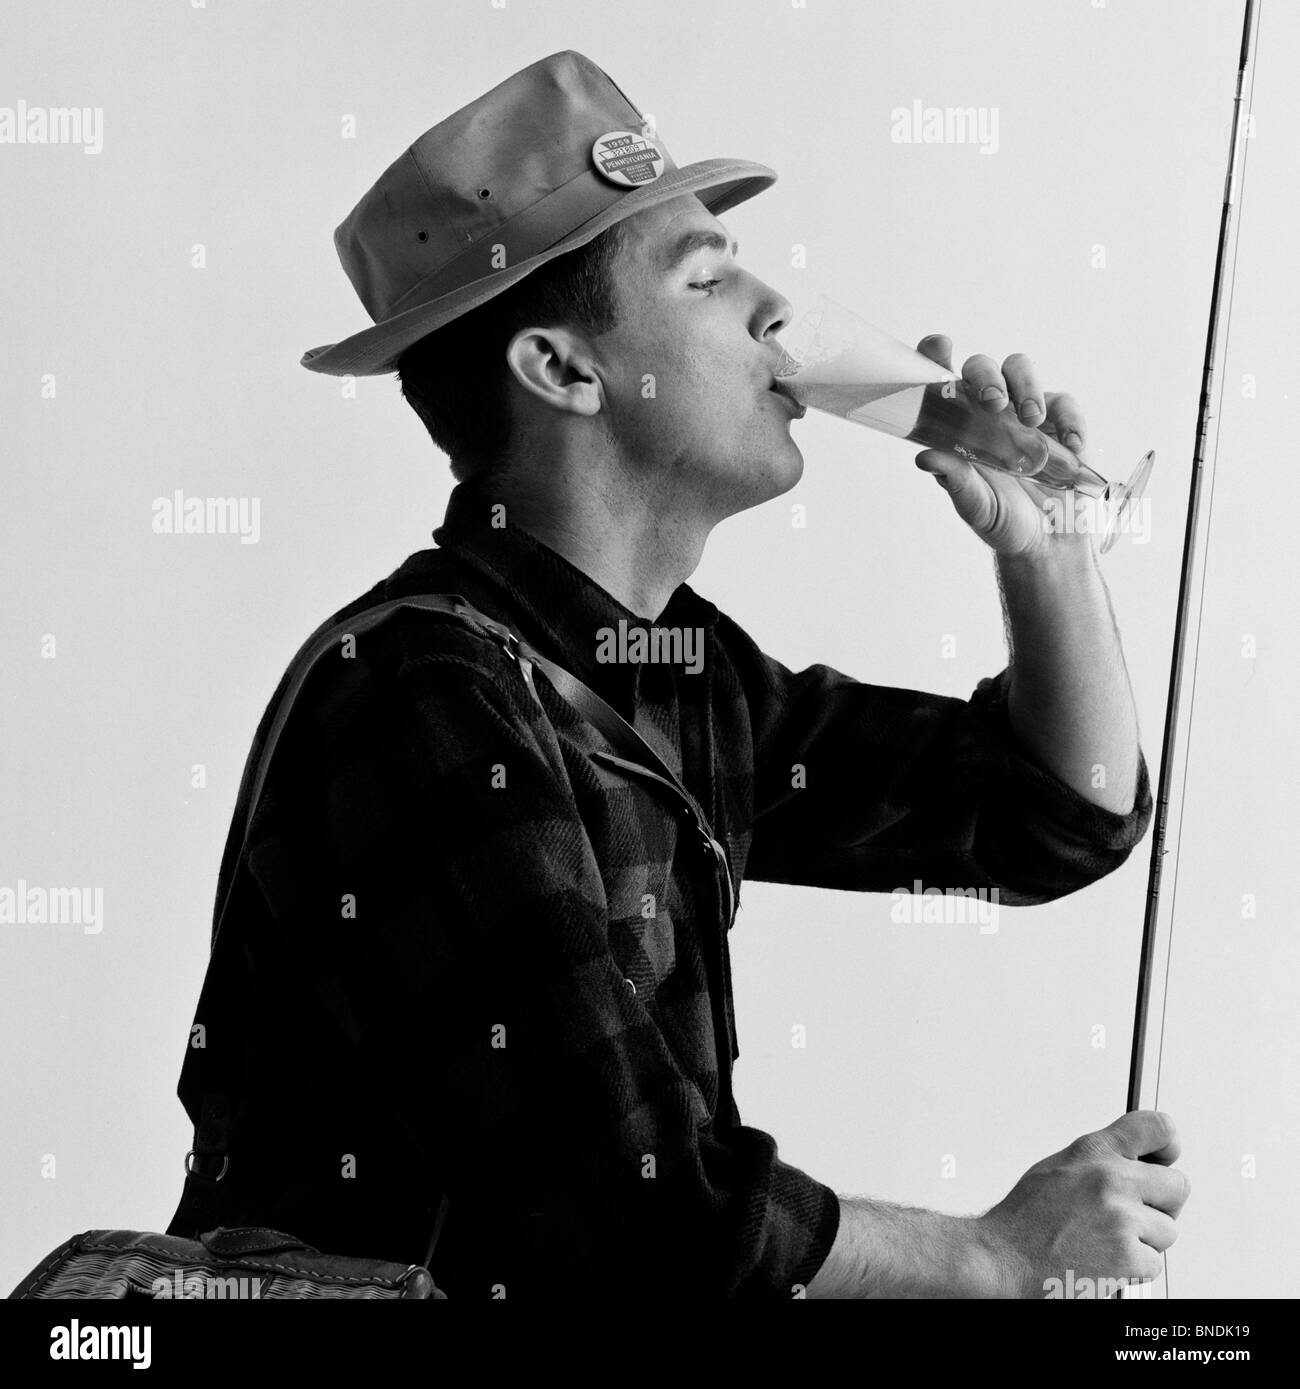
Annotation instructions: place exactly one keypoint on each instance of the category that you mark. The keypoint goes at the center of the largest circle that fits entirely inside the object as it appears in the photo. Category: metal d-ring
(225, 1163)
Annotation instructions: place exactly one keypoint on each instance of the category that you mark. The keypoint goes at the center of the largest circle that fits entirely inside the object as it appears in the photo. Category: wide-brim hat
(541, 164)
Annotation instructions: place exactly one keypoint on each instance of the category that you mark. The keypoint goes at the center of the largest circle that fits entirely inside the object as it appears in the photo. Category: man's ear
(556, 367)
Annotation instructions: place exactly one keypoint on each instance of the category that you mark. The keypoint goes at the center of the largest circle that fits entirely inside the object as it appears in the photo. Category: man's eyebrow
(690, 242)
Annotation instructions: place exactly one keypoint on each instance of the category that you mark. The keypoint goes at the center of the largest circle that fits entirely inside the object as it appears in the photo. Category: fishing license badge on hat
(623, 156)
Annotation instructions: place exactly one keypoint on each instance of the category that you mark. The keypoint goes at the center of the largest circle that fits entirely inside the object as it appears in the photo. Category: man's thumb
(1144, 1133)
(932, 461)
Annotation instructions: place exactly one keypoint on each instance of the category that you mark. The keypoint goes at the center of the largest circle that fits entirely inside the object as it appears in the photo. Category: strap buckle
(498, 631)
(515, 650)
(189, 1166)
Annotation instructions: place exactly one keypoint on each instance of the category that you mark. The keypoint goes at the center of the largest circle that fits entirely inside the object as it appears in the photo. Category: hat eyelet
(422, 236)
(485, 192)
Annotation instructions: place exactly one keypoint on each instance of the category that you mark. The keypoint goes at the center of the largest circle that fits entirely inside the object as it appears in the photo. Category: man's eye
(704, 284)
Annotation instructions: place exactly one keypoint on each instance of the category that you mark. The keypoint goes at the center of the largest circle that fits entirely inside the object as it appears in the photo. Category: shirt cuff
(1082, 833)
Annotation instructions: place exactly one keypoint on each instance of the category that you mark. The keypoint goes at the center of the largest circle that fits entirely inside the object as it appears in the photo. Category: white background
(930, 1048)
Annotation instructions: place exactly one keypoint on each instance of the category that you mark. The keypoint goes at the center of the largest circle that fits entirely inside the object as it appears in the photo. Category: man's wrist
(1063, 554)
(990, 1268)
(886, 1251)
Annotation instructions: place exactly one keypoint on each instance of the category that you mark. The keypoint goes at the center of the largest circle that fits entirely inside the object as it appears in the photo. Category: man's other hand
(1104, 1207)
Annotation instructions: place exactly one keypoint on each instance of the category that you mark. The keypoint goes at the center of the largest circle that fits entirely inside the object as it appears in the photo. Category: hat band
(525, 235)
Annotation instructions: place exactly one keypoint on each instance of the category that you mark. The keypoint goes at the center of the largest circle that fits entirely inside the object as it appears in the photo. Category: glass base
(1119, 498)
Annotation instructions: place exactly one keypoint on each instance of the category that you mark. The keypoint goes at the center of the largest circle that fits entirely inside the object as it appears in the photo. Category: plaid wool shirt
(488, 964)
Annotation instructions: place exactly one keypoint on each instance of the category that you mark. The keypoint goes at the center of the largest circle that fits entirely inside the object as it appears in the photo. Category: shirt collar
(561, 609)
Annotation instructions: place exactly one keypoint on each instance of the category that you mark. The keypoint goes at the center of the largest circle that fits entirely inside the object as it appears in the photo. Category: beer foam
(839, 363)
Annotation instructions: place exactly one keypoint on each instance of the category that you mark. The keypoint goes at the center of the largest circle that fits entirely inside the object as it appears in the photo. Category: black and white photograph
(644, 663)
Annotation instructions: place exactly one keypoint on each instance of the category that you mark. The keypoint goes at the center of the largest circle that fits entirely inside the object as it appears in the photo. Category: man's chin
(784, 471)
(766, 479)
(793, 468)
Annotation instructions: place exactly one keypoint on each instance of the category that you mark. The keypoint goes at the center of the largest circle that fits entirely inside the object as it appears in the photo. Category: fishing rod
(1236, 162)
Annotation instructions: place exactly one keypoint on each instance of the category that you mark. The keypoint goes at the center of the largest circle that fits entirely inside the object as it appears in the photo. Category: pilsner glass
(836, 362)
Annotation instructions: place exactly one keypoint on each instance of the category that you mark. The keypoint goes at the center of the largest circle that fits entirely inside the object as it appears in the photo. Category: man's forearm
(882, 1250)
(1070, 701)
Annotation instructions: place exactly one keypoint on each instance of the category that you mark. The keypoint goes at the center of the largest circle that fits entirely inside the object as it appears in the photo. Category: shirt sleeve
(873, 788)
(576, 1151)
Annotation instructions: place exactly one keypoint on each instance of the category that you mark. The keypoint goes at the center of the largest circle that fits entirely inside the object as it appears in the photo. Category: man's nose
(774, 311)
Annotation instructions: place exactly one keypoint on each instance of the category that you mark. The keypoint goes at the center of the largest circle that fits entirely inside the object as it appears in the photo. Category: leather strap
(635, 757)
(638, 759)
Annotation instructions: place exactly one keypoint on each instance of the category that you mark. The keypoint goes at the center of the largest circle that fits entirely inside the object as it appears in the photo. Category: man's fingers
(1064, 415)
(1027, 397)
(938, 348)
(1163, 1188)
(1157, 1230)
(1015, 383)
(981, 375)
(1147, 1265)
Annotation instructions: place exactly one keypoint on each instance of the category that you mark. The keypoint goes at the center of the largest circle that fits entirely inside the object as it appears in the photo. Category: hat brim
(721, 184)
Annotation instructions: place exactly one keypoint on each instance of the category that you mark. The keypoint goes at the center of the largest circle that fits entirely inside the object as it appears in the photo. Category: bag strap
(635, 758)
(638, 757)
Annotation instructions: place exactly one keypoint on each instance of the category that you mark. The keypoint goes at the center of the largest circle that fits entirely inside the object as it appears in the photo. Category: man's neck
(635, 547)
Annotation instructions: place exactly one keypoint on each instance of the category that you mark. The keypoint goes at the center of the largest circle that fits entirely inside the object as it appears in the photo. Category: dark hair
(456, 378)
